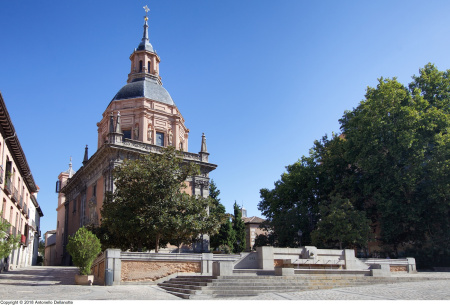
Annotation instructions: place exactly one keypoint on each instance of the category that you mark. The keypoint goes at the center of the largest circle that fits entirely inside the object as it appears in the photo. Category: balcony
(8, 186)
(12, 231)
(15, 196)
(24, 209)
(23, 240)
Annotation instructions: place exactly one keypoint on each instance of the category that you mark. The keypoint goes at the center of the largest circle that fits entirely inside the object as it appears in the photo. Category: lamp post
(300, 233)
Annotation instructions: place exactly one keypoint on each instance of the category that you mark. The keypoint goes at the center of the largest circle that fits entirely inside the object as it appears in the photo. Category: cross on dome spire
(145, 43)
(146, 12)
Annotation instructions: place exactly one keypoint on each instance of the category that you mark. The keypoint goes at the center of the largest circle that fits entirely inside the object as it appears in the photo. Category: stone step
(180, 295)
(185, 286)
(175, 281)
(181, 290)
(227, 286)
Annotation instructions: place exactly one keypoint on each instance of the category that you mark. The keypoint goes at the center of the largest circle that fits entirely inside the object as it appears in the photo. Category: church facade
(141, 119)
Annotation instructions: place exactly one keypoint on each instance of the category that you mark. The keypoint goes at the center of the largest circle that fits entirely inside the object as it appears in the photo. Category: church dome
(145, 45)
(148, 88)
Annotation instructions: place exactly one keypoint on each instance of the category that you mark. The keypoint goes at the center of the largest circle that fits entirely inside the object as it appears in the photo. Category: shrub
(84, 247)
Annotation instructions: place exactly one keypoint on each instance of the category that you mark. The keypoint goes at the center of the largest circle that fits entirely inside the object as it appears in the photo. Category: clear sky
(262, 79)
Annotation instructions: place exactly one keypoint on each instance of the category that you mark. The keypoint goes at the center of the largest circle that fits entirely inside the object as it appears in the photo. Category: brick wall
(134, 271)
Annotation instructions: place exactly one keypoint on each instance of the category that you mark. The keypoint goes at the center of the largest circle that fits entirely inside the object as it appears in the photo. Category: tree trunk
(157, 243)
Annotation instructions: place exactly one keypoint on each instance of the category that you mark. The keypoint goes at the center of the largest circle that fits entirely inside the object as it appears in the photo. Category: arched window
(148, 67)
(140, 66)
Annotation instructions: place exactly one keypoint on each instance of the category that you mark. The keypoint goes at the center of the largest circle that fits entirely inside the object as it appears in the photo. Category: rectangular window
(74, 205)
(94, 190)
(126, 134)
(160, 138)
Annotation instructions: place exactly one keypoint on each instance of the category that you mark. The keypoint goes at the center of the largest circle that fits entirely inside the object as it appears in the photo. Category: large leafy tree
(398, 143)
(391, 161)
(341, 224)
(293, 204)
(149, 208)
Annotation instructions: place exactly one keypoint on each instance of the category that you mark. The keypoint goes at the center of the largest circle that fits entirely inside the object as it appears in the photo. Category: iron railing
(15, 196)
(8, 186)
(12, 231)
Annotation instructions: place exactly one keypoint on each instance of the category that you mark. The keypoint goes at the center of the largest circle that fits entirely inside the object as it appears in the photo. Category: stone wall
(135, 271)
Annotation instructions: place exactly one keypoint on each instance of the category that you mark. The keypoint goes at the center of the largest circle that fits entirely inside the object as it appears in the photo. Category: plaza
(57, 283)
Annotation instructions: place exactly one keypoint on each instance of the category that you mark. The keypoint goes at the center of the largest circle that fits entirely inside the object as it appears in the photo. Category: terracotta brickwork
(133, 271)
(278, 263)
(399, 269)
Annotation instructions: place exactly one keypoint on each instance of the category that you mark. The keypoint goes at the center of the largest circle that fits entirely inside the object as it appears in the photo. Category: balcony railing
(8, 186)
(12, 231)
(15, 196)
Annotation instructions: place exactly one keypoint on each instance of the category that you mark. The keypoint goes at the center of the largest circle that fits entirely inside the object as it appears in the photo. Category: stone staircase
(206, 287)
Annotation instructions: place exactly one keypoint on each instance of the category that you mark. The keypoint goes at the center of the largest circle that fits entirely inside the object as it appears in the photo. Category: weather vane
(146, 12)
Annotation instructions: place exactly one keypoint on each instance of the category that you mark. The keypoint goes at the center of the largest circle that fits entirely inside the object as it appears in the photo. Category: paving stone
(57, 283)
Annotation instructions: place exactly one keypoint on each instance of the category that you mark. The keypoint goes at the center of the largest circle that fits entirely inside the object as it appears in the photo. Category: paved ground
(57, 283)
(438, 289)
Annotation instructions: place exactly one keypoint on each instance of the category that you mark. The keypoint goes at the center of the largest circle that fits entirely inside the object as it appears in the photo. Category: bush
(84, 247)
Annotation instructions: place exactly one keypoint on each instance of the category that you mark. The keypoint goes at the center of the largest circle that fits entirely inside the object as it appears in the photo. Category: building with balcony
(142, 118)
(18, 197)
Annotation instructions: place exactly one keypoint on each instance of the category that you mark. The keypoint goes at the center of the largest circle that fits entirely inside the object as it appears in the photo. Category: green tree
(84, 247)
(341, 224)
(226, 236)
(7, 242)
(398, 143)
(391, 161)
(218, 211)
(190, 220)
(239, 230)
(293, 203)
(149, 208)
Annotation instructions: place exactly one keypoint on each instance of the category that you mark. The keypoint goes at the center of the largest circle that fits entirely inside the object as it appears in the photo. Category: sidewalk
(58, 283)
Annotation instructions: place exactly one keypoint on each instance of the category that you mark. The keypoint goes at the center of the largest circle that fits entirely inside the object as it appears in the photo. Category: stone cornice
(7, 129)
(96, 164)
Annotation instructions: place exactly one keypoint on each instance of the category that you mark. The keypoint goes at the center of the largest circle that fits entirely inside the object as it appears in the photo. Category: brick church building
(141, 118)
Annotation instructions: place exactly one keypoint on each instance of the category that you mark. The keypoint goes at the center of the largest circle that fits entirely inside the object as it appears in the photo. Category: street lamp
(300, 233)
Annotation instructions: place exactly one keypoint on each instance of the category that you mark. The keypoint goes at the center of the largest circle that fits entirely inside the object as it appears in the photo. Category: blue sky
(262, 79)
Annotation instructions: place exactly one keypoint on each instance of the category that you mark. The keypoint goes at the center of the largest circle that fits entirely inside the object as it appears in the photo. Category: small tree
(217, 210)
(84, 247)
(7, 242)
(239, 230)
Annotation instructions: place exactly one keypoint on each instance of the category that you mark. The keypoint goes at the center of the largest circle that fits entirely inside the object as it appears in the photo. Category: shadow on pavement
(34, 276)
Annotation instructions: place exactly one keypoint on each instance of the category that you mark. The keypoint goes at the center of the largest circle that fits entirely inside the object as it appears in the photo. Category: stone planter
(84, 279)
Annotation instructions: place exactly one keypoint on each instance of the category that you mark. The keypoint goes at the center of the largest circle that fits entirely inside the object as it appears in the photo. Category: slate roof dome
(144, 87)
(145, 45)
